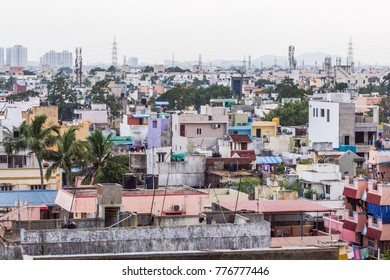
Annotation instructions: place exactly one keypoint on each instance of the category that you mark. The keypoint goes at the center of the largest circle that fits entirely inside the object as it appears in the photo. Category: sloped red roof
(244, 154)
(348, 192)
(242, 138)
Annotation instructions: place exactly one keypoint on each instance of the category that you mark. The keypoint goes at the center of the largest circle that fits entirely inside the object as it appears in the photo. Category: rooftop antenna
(244, 64)
(350, 61)
(200, 62)
(249, 64)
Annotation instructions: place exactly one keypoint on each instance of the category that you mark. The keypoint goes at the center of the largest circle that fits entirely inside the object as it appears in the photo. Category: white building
(1, 58)
(16, 56)
(57, 59)
(97, 114)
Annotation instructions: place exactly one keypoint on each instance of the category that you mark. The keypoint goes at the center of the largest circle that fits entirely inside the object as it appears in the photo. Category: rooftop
(180, 190)
(277, 206)
(240, 138)
(35, 197)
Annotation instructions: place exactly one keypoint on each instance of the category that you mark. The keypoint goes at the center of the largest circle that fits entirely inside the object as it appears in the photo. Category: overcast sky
(153, 30)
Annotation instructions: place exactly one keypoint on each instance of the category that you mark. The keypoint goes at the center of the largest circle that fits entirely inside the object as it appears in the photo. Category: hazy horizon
(154, 30)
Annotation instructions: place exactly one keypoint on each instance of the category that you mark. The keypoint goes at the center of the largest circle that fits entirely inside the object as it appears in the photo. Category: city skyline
(153, 31)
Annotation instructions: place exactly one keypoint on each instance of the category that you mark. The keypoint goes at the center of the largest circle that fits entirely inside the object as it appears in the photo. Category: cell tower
(124, 60)
(200, 62)
(114, 58)
(328, 66)
(292, 62)
(79, 66)
(350, 61)
(173, 60)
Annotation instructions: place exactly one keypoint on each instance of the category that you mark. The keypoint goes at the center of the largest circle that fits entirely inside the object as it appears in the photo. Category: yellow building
(263, 129)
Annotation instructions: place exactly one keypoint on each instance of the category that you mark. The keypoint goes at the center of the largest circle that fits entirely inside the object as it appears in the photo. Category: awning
(178, 156)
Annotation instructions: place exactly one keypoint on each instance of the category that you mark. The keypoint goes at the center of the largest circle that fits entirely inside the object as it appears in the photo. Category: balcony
(354, 221)
(355, 187)
(378, 193)
(375, 229)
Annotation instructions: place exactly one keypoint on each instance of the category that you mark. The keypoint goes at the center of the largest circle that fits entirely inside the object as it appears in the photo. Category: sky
(153, 30)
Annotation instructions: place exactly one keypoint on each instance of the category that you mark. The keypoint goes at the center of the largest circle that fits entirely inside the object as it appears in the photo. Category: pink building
(170, 201)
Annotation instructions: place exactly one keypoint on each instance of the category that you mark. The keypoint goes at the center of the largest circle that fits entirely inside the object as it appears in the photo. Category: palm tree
(69, 152)
(39, 139)
(99, 151)
(12, 145)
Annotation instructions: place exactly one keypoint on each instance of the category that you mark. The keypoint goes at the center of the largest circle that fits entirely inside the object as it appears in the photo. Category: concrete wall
(146, 239)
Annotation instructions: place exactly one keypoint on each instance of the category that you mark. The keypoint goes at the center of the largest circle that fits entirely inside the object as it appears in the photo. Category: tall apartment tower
(16, 56)
(57, 59)
(1, 58)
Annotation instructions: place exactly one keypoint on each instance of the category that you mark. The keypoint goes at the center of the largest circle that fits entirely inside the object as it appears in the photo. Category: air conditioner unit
(177, 207)
(215, 125)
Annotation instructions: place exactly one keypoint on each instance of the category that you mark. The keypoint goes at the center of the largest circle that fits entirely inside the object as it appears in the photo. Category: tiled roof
(240, 138)
(36, 197)
(244, 154)
(374, 233)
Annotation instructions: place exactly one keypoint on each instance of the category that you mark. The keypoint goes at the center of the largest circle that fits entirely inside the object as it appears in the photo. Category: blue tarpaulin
(35, 197)
(380, 211)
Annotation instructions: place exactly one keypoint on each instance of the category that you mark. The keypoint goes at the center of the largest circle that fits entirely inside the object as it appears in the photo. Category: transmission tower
(249, 64)
(244, 64)
(200, 62)
(173, 60)
(114, 58)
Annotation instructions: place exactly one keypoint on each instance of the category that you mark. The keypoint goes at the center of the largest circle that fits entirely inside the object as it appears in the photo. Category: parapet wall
(146, 239)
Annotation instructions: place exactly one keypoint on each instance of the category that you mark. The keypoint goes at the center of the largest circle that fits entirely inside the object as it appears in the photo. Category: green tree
(99, 151)
(96, 69)
(175, 69)
(65, 70)
(288, 89)
(22, 95)
(113, 171)
(69, 153)
(262, 82)
(101, 93)
(147, 69)
(39, 139)
(291, 114)
(28, 73)
(340, 86)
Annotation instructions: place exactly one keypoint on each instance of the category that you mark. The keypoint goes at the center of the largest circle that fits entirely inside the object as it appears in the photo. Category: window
(198, 131)
(327, 189)
(3, 159)
(244, 146)
(154, 124)
(322, 113)
(182, 130)
(346, 140)
(314, 112)
(258, 132)
(328, 115)
(161, 157)
(37, 187)
(210, 118)
(6, 187)
(371, 243)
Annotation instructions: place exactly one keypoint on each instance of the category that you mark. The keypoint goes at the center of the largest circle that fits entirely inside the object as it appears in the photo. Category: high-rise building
(133, 61)
(16, 56)
(1, 58)
(57, 59)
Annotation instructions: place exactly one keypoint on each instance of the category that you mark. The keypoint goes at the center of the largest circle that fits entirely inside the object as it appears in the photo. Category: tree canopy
(291, 114)
(101, 93)
(288, 89)
(180, 97)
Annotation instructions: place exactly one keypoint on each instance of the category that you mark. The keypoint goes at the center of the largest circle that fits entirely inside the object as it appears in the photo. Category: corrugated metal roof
(268, 160)
(36, 197)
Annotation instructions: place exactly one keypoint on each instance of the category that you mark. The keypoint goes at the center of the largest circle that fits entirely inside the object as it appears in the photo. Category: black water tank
(129, 181)
(150, 181)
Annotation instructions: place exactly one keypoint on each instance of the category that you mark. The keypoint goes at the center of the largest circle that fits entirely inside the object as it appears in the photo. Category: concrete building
(339, 124)
(98, 114)
(367, 216)
(135, 126)
(2, 62)
(240, 123)
(159, 134)
(57, 59)
(198, 130)
(16, 56)
(263, 129)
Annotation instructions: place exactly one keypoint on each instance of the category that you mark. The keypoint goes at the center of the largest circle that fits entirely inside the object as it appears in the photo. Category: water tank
(276, 120)
(129, 181)
(150, 181)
